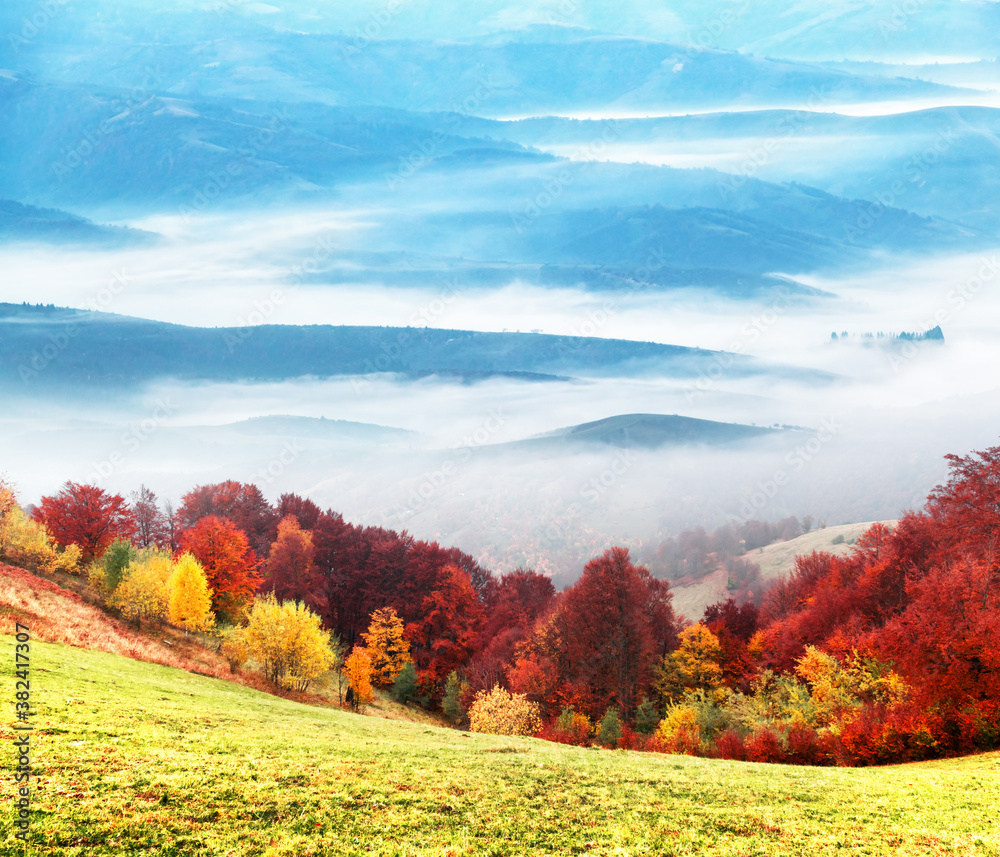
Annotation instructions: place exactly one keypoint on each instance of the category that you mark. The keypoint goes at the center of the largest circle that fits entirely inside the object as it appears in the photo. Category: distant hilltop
(935, 334)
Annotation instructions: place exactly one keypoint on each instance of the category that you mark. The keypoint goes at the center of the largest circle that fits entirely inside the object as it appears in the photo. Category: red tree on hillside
(152, 526)
(242, 504)
(967, 507)
(231, 567)
(87, 516)
(290, 570)
(306, 512)
(447, 634)
(611, 641)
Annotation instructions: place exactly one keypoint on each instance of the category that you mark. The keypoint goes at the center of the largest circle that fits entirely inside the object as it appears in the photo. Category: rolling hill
(178, 763)
(642, 431)
(35, 348)
(774, 560)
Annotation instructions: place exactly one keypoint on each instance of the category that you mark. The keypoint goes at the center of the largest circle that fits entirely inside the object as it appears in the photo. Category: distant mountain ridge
(80, 349)
(20, 222)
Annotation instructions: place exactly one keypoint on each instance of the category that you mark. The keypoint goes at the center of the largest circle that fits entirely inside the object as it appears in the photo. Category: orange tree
(230, 565)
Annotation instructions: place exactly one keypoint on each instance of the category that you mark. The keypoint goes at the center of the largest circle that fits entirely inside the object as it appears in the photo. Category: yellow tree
(694, 665)
(144, 593)
(26, 543)
(501, 713)
(388, 649)
(190, 602)
(358, 669)
(286, 639)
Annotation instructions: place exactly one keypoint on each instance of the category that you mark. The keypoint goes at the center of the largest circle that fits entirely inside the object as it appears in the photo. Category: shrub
(765, 746)
(647, 718)
(609, 730)
(404, 688)
(570, 727)
(679, 729)
(451, 704)
(502, 713)
(234, 650)
(26, 543)
(807, 746)
(729, 745)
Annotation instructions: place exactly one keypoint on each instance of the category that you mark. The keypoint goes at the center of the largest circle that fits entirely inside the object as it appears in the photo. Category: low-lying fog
(870, 443)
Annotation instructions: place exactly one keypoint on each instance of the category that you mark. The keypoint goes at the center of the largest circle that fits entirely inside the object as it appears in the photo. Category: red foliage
(880, 735)
(611, 640)
(241, 504)
(967, 507)
(290, 570)
(231, 567)
(734, 626)
(446, 634)
(765, 746)
(729, 745)
(807, 747)
(87, 516)
(948, 640)
(516, 600)
(306, 512)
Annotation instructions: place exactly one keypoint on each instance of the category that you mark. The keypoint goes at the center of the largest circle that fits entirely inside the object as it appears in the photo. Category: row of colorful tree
(892, 652)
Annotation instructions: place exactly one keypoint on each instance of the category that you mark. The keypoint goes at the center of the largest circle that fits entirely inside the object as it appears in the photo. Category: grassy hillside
(779, 558)
(776, 559)
(139, 758)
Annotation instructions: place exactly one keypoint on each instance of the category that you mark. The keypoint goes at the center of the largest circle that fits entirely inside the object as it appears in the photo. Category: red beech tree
(242, 504)
(87, 516)
(290, 570)
(306, 512)
(610, 642)
(447, 634)
(231, 567)
(967, 507)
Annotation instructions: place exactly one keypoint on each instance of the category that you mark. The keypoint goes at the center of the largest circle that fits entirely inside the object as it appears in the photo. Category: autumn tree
(143, 595)
(358, 670)
(694, 665)
(290, 570)
(304, 510)
(230, 565)
(287, 640)
(243, 505)
(610, 638)
(151, 527)
(388, 649)
(86, 516)
(499, 712)
(446, 635)
(190, 602)
(967, 506)
(26, 543)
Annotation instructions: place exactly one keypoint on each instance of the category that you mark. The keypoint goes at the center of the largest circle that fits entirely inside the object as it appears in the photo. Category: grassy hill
(141, 758)
(774, 560)
(779, 558)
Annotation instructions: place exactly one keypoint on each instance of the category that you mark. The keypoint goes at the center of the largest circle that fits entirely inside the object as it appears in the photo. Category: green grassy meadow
(137, 758)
